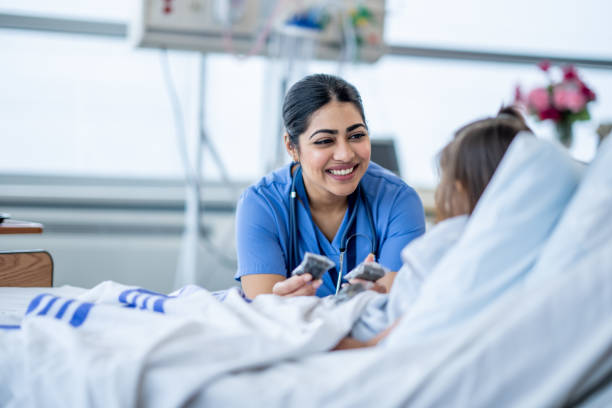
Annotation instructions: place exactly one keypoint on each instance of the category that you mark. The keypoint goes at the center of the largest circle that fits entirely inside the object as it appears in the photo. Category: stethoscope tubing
(293, 232)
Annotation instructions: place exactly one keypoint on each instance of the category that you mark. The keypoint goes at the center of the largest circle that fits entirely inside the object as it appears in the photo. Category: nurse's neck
(327, 209)
(322, 201)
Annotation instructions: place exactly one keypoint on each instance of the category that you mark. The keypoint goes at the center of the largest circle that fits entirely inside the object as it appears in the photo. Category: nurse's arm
(257, 284)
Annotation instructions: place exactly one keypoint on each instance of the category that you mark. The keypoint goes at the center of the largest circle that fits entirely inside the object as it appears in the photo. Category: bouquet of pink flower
(562, 101)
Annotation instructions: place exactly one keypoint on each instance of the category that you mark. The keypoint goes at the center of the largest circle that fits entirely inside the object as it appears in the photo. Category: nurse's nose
(344, 151)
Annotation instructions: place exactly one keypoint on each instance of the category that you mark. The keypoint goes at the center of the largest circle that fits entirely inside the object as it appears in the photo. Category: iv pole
(189, 258)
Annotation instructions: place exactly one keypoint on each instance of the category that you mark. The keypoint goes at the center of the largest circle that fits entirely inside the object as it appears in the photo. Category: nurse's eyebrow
(331, 131)
(355, 126)
(335, 132)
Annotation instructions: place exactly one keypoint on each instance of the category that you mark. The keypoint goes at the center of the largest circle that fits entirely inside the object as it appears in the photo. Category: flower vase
(565, 133)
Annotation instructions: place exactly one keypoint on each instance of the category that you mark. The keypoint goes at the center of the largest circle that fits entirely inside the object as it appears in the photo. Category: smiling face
(334, 152)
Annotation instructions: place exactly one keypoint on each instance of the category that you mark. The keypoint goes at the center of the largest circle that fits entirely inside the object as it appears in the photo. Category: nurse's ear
(291, 148)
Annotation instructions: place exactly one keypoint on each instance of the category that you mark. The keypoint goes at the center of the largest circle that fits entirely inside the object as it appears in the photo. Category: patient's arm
(350, 343)
(383, 285)
(387, 280)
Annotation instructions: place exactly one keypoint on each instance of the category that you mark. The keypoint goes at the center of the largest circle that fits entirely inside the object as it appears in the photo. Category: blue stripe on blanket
(144, 302)
(158, 305)
(35, 302)
(135, 300)
(49, 305)
(9, 327)
(123, 295)
(60, 313)
(80, 314)
(77, 319)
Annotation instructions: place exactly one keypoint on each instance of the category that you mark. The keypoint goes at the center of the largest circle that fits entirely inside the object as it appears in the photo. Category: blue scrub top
(262, 225)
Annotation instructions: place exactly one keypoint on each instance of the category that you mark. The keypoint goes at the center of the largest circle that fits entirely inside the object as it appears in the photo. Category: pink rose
(586, 91)
(544, 65)
(550, 113)
(569, 98)
(538, 100)
(569, 72)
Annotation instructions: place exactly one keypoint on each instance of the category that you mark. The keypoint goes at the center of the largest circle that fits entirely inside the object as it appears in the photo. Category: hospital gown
(419, 260)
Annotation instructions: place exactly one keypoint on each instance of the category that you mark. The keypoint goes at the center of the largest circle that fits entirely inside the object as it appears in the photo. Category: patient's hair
(468, 162)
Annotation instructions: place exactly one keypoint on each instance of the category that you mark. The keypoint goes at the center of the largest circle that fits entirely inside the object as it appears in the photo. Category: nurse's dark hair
(309, 95)
(467, 163)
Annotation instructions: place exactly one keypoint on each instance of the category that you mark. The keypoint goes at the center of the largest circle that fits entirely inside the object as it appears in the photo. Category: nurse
(330, 199)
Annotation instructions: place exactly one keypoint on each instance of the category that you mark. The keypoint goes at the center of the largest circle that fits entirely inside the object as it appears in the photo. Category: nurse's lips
(345, 172)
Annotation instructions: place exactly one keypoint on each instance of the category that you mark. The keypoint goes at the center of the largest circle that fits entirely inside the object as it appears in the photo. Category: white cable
(177, 115)
(192, 176)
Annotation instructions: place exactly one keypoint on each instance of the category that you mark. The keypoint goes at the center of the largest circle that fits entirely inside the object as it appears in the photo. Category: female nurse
(341, 200)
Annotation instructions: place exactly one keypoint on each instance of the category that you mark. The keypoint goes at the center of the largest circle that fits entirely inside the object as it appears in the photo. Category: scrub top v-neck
(262, 225)
(324, 246)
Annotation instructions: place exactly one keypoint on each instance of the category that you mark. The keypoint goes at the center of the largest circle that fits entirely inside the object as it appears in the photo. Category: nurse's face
(334, 151)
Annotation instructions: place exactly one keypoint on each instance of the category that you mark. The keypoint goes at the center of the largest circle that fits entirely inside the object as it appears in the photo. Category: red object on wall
(168, 6)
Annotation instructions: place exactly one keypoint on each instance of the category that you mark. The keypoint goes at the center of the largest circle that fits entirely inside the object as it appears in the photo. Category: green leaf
(582, 115)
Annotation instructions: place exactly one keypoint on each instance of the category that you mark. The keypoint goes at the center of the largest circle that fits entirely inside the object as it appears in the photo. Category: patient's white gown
(419, 259)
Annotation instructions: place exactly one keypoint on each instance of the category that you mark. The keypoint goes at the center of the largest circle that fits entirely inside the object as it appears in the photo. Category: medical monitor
(383, 153)
(245, 27)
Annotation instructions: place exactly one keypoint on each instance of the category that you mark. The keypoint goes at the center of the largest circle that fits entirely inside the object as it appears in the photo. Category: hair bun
(510, 111)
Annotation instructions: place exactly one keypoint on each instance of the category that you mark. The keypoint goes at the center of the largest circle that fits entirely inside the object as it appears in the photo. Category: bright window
(86, 105)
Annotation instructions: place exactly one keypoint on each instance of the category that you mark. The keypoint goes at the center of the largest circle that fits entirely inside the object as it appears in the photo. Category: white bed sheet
(14, 300)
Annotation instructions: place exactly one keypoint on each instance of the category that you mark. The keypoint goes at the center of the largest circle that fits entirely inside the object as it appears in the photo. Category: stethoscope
(344, 240)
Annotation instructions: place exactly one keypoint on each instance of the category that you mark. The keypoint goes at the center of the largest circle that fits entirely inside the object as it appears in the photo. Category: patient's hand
(348, 343)
(375, 286)
(383, 285)
(298, 285)
(351, 343)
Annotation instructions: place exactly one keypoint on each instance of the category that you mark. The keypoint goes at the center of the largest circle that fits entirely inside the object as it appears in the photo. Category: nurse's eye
(324, 141)
(357, 136)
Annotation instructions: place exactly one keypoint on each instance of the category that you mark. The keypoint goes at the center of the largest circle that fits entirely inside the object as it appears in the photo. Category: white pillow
(586, 224)
(419, 259)
(503, 237)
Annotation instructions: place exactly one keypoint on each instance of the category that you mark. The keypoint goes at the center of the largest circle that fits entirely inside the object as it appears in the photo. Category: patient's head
(468, 162)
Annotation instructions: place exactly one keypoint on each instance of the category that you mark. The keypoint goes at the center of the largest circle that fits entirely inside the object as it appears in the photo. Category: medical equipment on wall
(294, 252)
(244, 26)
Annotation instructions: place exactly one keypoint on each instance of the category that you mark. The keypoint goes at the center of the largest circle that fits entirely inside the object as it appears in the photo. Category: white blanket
(124, 346)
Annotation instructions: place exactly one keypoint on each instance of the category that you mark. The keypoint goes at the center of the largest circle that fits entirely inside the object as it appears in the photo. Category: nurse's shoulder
(382, 185)
(270, 192)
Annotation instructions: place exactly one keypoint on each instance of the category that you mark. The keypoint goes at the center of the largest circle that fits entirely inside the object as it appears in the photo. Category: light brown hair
(468, 162)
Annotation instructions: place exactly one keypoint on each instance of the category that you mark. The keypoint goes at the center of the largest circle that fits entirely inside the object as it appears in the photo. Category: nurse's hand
(298, 285)
(378, 286)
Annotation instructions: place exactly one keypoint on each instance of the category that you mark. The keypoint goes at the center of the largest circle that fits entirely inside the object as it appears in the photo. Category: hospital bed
(26, 268)
(528, 334)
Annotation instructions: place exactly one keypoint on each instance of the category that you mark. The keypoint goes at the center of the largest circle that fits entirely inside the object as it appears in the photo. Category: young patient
(466, 164)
